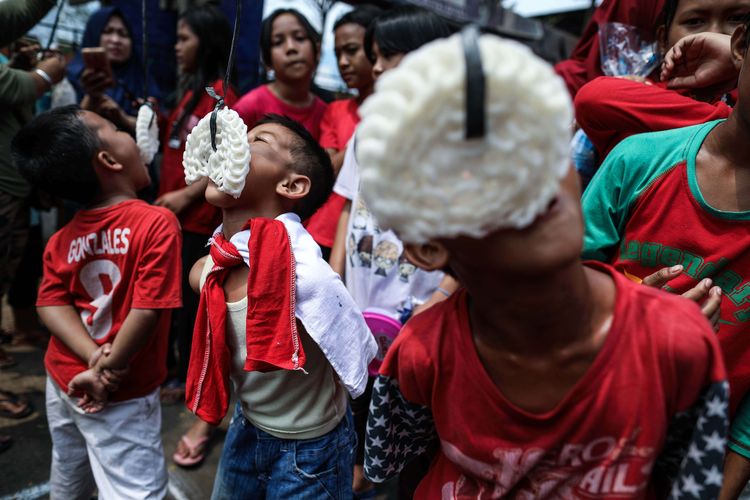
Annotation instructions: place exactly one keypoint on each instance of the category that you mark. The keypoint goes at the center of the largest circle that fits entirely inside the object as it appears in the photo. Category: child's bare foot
(191, 449)
(94, 390)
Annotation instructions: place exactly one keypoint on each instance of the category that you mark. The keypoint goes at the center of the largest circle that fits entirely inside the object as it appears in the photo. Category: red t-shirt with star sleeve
(649, 414)
(104, 263)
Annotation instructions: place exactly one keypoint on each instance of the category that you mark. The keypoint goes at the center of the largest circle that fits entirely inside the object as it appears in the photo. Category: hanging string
(227, 75)
(54, 26)
(144, 29)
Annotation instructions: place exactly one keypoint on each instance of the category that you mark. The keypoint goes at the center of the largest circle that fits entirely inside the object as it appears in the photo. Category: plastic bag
(624, 51)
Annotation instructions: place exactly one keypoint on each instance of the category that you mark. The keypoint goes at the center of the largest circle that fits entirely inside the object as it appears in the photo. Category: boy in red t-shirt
(111, 278)
(680, 198)
(542, 377)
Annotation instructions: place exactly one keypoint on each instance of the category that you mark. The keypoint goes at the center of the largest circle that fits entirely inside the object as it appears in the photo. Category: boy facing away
(110, 280)
(681, 199)
(542, 377)
(276, 320)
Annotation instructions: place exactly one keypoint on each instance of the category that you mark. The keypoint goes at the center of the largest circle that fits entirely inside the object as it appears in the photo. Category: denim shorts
(255, 464)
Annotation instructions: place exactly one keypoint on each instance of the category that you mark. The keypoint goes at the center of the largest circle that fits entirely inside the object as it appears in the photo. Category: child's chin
(219, 198)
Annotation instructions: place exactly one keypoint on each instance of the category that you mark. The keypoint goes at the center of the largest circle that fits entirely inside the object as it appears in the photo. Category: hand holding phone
(96, 59)
(97, 76)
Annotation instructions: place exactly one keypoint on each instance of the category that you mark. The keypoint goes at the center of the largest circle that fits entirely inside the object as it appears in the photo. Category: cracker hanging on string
(147, 133)
(229, 164)
(424, 179)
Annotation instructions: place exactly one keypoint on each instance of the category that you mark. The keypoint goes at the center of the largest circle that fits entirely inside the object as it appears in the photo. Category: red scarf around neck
(271, 330)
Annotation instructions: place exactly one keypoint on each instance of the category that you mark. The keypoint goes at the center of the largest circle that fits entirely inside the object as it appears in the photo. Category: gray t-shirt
(287, 404)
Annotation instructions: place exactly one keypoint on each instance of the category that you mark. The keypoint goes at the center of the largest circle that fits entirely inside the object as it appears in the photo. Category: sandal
(8, 400)
(191, 460)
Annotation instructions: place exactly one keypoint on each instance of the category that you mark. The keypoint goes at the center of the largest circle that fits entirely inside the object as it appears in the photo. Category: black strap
(475, 83)
(212, 123)
(54, 26)
(227, 75)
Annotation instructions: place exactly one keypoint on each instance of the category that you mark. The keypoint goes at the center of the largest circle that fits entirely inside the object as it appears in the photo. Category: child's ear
(104, 159)
(430, 256)
(739, 46)
(294, 186)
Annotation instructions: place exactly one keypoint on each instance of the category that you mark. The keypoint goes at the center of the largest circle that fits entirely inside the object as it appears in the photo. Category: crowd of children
(409, 284)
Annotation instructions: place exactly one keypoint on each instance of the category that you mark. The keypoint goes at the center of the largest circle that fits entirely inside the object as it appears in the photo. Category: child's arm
(135, 331)
(65, 324)
(736, 475)
(447, 286)
(194, 278)
(177, 201)
(337, 159)
(737, 462)
(337, 260)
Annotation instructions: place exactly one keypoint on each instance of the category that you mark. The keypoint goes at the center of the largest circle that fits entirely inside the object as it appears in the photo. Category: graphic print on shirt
(405, 269)
(351, 249)
(562, 473)
(99, 278)
(364, 250)
(656, 255)
(385, 257)
(361, 215)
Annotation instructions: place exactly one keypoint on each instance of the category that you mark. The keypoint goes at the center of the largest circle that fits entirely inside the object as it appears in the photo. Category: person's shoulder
(658, 146)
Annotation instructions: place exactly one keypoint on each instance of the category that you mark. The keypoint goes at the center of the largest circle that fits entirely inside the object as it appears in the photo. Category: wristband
(45, 76)
(443, 291)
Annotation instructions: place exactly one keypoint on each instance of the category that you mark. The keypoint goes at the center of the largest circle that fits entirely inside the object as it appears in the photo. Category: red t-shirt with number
(104, 263)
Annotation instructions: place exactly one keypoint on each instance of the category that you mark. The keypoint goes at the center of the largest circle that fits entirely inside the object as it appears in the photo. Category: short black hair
(361, 15)
(403, 29)
(309, 159)
(54, 152)
(266, 31)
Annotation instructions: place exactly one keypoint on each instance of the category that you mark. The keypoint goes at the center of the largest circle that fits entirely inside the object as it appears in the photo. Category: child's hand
(112, 377)
(176, 201)
(701, 61)
(103, 351)
(94, 390)
(706, 296)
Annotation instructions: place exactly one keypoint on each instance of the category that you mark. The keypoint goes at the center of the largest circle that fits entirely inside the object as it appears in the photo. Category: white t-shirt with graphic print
(377, 273)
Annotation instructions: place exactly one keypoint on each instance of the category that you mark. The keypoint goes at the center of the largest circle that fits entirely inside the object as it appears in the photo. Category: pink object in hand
(385, 329)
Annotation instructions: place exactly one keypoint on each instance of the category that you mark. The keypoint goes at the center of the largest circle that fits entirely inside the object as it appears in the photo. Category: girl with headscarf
(112, 96)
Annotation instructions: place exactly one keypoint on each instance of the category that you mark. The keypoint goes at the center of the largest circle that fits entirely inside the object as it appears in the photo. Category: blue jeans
(255, 464)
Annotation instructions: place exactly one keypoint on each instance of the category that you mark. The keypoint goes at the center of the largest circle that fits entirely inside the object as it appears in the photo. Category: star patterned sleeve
(397, 431)
(693, 455)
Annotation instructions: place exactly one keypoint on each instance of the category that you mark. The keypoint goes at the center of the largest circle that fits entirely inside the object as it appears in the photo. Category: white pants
(118, 450)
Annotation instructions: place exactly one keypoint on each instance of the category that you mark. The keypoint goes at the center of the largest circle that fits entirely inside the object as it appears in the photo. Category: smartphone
(96, 58)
